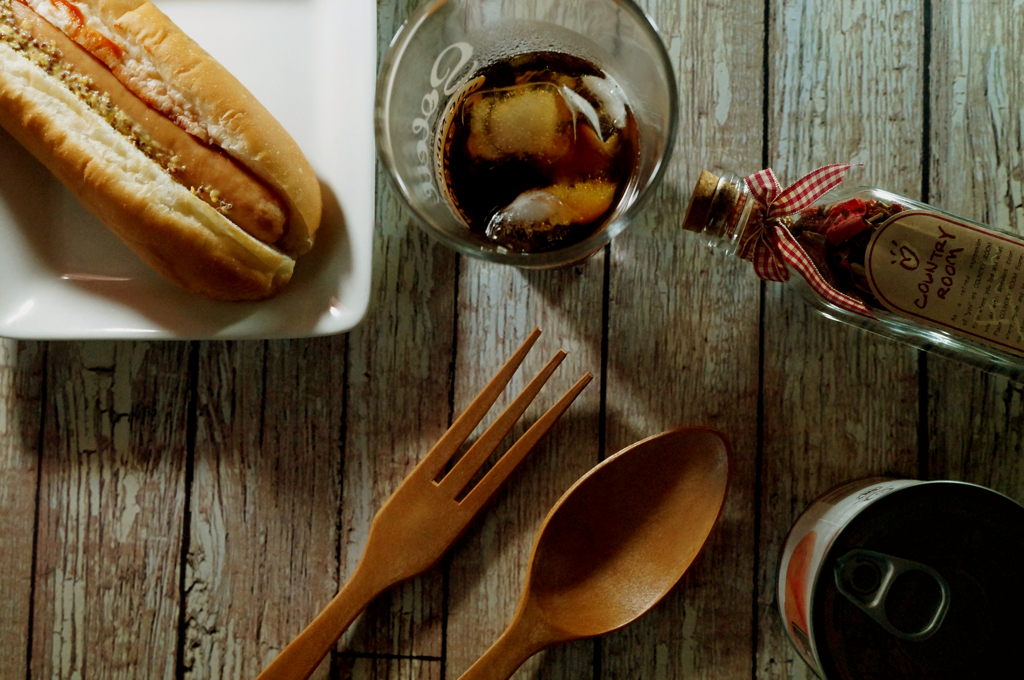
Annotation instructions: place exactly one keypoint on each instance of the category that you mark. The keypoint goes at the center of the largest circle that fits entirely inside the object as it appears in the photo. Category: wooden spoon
(615, 543)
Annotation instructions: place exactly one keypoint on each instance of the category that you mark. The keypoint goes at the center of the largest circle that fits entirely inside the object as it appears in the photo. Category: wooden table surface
(181, 510)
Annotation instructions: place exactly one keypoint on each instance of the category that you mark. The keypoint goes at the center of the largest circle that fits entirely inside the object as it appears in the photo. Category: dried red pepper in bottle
(880, 261)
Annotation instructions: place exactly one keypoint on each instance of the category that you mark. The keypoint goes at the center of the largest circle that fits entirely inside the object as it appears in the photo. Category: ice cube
(588, 158)
(585, 201)
(540, 215)
(529, 121)
(581, 107)
(611, 97)
(535, 210)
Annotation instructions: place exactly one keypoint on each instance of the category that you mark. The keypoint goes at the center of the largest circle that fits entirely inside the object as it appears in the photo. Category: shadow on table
(552, 462)
(679, 327)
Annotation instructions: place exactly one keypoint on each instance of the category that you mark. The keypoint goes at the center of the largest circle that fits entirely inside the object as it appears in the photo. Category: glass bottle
(933, 280)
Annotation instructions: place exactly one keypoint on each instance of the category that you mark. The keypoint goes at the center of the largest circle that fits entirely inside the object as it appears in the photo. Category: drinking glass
(446, 42)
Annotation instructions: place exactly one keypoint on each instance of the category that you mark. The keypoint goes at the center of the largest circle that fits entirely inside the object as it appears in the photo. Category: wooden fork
(423, 517)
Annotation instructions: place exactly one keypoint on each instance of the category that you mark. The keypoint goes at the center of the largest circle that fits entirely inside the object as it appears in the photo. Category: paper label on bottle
(951, 274)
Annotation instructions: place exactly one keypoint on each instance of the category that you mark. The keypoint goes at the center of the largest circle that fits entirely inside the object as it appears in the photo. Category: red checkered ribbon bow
(771, 246)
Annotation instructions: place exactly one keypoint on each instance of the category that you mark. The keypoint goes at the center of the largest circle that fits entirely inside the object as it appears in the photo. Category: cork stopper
(699, 210)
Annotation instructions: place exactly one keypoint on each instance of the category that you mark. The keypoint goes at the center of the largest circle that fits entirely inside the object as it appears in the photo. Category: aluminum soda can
(895, 578)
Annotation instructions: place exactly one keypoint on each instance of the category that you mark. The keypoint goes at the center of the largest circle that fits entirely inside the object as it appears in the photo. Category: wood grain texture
(21, 392)
(399, 403)
(399, 393)
(106, 598)
(465, 339)
(976, 420)
(263, 537)
(266, 461)
(398, 396)
(839, 404)
(683, 342)
(498, 308)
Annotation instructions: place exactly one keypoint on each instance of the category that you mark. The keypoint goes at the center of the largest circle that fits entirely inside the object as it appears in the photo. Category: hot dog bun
(182, 237)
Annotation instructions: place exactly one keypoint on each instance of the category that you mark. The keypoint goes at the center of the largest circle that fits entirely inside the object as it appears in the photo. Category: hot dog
(159, 141)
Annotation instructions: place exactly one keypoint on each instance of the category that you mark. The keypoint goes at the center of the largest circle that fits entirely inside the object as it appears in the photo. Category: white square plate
(312, 63)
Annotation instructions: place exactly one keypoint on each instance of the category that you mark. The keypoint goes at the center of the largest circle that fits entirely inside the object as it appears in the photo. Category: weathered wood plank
(110, 512)
(399, 391)
(399, 395)
(298, 443)
(976, 421)
(267, 482)
(384, 667)
(498, 307)
(839, 404)
(21, 384)
(683, 342)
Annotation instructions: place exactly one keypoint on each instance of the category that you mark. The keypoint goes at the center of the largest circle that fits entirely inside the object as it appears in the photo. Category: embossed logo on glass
(447, 74)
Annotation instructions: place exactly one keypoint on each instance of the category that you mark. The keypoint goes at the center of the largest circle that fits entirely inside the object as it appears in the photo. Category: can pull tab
(906, 598)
